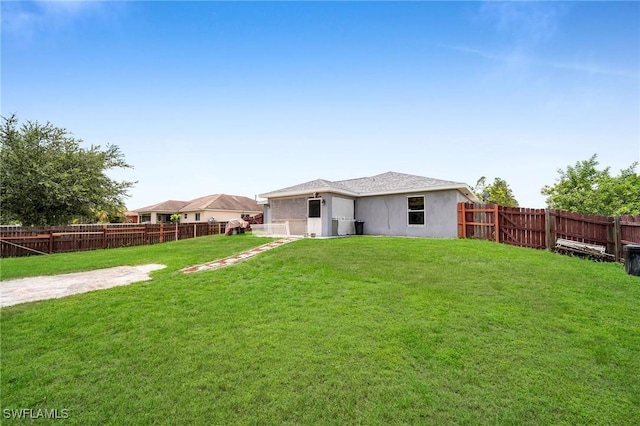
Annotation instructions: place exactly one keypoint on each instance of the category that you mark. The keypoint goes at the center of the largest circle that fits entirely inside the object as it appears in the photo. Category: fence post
(547, 230)
(615, 237)
(496, 222)
(161, 232)
(104, 236)
(550, 229)
(464, 220)
(50, 241)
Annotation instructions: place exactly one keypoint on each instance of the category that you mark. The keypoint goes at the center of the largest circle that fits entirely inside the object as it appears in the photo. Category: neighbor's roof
(222, 202)
(170, 206)
(209, 202)
(385, 183)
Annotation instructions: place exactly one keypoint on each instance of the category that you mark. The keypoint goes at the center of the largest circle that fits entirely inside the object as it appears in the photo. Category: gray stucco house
(389, 204)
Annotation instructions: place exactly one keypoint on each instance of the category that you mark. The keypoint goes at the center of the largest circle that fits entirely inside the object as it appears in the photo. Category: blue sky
(245, 98)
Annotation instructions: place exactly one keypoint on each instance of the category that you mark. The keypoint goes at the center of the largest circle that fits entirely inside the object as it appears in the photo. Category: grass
(359, 330)
(176, 255)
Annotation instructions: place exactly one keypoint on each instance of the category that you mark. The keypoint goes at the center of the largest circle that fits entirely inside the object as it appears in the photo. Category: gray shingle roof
(389, 182)
(314, 186)
(392, 181)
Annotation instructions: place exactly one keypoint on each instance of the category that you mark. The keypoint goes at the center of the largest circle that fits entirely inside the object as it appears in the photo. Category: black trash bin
(359, 227)
(632, 259)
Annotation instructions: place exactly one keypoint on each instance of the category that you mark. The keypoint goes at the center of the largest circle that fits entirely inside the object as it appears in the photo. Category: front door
(314, 216)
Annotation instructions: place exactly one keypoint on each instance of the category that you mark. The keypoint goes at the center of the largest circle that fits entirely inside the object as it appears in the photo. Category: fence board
(585, 228)
(30, 240)
(522, 227)
(630, 229)
(540, 228)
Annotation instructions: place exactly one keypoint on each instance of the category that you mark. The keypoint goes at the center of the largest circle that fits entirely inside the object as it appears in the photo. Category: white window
(415, 210)
(197, 217)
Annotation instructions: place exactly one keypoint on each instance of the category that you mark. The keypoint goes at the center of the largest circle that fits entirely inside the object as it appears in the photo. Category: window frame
(197, 217)
(423, 211)
(314, 200)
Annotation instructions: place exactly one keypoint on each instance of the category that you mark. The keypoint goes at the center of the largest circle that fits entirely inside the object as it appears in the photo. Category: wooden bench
(583, 249)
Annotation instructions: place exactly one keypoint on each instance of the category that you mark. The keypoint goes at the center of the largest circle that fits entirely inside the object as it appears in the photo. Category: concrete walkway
(227, 261)
(23, 290)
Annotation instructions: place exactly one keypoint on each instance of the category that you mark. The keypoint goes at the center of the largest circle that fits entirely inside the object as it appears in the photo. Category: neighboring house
(216, 207)
(388, 204)
(159, 213)
(131, 217)
(219, 207)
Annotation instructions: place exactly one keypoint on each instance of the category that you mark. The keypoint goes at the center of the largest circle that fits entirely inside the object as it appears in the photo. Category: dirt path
(23, 290)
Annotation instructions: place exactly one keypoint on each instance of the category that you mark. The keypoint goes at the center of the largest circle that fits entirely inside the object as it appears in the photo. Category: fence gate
(522, 227)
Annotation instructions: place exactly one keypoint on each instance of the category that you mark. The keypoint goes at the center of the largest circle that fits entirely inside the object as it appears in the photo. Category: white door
(314, 216)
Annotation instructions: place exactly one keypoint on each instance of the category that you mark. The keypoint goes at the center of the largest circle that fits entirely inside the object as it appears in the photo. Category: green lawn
(365, 330)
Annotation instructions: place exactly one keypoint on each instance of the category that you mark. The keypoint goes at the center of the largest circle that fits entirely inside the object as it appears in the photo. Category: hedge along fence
(541, 228)
(31, 240)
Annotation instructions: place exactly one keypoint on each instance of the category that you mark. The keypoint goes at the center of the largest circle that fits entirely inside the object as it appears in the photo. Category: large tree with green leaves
(497, 192)
(47, 178)
(584, 188)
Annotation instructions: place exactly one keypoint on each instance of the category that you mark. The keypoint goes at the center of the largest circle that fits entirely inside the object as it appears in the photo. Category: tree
(175, 218)
(47, 178)
(585, 189)
(497, 192)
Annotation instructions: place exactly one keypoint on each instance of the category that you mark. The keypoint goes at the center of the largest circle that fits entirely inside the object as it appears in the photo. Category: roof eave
(155, 211)
(463, 188)
(281, 194)
(219, 210)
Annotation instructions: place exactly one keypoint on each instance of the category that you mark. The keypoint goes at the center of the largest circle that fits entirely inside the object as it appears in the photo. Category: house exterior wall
(342, 208)
(266, 214)
(205, 215)
(218, 215)
(294, 211)
(342, 214)
(387, 215)
(155, 217)
(383, 215)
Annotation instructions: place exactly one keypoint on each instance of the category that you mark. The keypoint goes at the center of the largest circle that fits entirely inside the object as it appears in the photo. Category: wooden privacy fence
(541, 228)
(29, 240)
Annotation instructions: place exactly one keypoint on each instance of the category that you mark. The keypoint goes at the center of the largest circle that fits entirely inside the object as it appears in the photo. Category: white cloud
(518, 58)
(594, 69)
(25, 20)
(527, 22)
